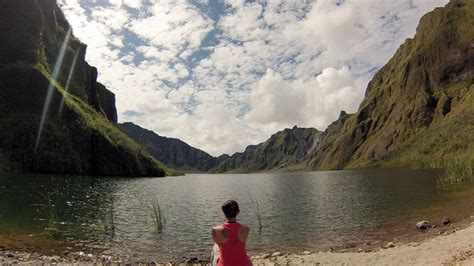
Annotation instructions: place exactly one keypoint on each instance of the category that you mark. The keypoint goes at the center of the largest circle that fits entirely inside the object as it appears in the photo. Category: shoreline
(400, 233)
(444, 244)
(453, 247)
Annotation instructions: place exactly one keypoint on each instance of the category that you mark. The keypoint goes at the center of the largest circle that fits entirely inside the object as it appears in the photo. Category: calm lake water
(300, 211)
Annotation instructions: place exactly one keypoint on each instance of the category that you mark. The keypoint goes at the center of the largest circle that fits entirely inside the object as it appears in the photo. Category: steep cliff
(285, 149)
(55, 117)
(419, 108)
(172, 152)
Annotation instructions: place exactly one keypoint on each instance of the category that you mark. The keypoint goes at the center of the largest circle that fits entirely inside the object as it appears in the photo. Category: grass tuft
(109, 224)
(157, 215)
(455, 171)
(49, 210)
(258, 213)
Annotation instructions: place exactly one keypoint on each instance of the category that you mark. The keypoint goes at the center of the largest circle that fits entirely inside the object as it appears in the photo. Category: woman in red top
(231, 237)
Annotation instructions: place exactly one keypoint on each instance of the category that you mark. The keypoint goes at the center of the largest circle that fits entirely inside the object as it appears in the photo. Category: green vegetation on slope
(448, 144)
(417, 112)
(418, 109)
(83, 139)
(99, 123)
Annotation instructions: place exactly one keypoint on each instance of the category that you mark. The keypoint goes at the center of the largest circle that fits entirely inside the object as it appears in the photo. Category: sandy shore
(453, 246)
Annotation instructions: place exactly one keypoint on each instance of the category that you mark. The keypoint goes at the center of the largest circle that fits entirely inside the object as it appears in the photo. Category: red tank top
(233, 250)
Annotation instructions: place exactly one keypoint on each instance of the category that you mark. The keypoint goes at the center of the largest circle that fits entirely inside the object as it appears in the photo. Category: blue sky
(221, 75)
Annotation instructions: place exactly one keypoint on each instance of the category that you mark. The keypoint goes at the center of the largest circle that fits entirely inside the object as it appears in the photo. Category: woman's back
(233, 249)
(231, 237)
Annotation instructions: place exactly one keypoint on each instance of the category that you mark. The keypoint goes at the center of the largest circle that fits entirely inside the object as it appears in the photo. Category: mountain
(285, 149)
(54, 115)
(419, 108)
(172, 152)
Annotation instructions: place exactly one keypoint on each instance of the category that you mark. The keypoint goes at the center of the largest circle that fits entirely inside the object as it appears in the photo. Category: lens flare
(68, 83)
(49, 94)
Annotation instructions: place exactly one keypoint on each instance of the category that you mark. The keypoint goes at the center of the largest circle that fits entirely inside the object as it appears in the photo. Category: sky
(221, 75)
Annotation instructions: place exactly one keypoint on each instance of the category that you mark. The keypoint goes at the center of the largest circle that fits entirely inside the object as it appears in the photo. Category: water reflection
(299, 210)
(82, 205)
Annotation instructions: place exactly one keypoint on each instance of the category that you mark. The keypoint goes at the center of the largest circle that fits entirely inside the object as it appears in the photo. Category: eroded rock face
(99, 96)
(419, 106)
(79, 138)
(284, 150)
(418, 109)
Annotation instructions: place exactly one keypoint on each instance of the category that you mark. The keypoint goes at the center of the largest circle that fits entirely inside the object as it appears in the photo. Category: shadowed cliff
(55, 117)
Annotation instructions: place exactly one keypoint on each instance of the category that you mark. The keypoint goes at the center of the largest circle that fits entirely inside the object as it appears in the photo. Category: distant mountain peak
(286, 148)
(171, 151)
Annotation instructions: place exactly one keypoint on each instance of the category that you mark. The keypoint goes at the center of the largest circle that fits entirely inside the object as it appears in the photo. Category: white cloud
(312, 103)
(113, 19)
(132, 3)
(269, 66)
(173, 27)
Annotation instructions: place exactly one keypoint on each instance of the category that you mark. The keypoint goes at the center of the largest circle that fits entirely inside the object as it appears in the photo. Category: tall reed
(49, 211)
(258, 213)
(157, 214)
(109, 218)
(455, 171)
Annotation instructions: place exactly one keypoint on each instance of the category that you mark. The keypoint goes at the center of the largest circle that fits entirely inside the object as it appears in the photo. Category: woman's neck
(231, 220)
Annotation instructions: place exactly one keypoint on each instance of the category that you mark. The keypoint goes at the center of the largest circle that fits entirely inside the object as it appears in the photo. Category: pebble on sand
(446, 221)
(423, 225)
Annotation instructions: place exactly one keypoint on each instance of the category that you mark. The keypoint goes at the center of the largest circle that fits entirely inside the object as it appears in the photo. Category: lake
(300, 211)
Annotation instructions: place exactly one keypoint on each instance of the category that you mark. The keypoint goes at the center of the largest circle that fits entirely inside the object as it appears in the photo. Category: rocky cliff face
(172, 152)
(418, 108)
(99, 96)
(285, 149)
(43, 64)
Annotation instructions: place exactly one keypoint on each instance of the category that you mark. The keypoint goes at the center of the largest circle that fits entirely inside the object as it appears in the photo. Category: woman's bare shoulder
(244, 228)
(218, 228)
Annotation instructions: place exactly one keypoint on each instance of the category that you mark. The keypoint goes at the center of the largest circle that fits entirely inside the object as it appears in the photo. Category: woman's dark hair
(230, 209)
